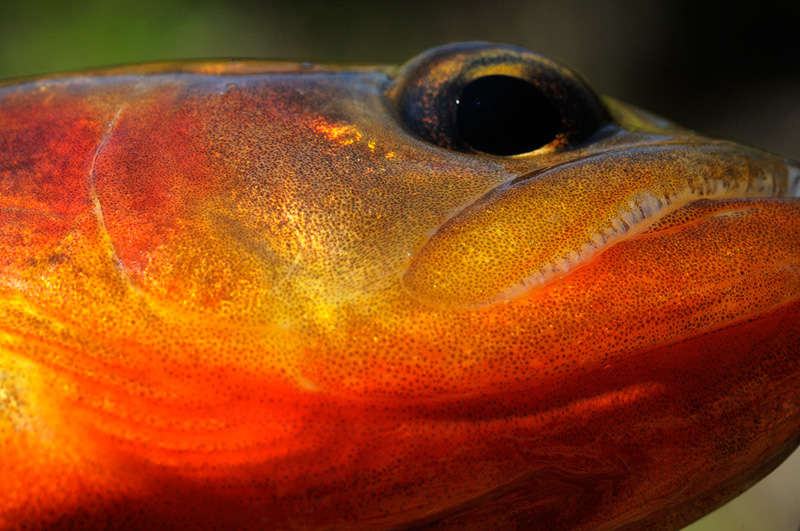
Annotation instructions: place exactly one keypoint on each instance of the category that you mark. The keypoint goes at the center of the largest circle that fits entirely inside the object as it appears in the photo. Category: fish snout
(526, 235)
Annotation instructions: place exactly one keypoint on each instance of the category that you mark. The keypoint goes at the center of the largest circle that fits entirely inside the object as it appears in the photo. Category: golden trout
(467, 293)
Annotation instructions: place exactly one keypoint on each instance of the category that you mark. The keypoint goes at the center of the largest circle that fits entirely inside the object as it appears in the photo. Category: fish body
(244, 295)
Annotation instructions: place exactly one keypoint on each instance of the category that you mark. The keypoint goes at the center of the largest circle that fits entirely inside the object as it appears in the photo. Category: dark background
(730, 71)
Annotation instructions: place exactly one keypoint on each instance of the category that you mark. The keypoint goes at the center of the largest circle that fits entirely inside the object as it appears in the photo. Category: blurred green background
(727, 70)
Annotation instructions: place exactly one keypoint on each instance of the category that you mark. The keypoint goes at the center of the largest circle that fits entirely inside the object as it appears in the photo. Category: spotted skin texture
(246, 296)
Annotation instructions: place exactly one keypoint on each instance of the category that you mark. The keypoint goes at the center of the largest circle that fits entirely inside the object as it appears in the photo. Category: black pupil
(504, 115)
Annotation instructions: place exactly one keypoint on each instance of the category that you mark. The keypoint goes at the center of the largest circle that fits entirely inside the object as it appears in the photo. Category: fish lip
(793, 166)
(695, 168)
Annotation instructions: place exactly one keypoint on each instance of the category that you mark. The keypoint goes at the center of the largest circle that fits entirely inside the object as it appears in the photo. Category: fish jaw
(542, 226)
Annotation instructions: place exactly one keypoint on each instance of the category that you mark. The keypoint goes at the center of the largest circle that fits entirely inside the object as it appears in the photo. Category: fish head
(463, 292)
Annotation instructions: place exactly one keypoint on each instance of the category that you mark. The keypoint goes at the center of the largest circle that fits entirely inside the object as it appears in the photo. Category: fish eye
(504, 115)
(496, 100)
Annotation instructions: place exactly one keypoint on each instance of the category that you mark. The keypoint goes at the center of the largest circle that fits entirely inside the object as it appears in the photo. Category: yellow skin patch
(262, 296)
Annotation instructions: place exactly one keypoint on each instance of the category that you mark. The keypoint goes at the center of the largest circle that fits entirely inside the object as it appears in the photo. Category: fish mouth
(526, 234)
